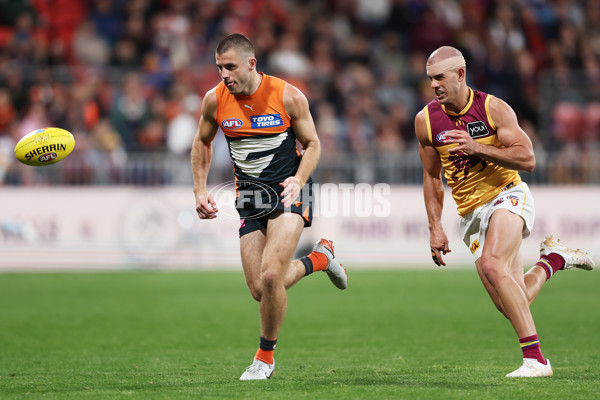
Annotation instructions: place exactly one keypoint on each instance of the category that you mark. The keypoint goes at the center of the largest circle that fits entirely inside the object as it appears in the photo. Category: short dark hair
(237, 41)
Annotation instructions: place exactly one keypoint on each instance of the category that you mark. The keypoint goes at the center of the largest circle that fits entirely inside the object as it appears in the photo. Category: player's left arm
(517, 151)
(296, 105)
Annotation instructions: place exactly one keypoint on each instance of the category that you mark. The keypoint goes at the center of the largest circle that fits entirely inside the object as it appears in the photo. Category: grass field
(394, 334)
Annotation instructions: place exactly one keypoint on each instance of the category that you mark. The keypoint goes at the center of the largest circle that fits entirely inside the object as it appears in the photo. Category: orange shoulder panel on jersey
(259, 114)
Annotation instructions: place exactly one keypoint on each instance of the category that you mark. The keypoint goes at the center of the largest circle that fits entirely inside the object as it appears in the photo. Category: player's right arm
(433, 190)
(201, 156)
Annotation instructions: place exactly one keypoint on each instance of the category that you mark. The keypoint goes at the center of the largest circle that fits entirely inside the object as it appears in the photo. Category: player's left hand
(465, 142)
(291, 190)
(439, 244)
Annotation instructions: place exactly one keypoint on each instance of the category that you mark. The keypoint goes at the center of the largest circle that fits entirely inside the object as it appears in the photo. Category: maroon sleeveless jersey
(473, 180)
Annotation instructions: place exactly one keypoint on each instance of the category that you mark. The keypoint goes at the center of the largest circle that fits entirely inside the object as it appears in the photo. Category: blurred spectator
(106, 19)
(356, 50)
(373, 14)
(534, 37)
(77, 168)
(430, 33)
(289, 60)
(568, 122)
(125, 54)
(357, 130)
(35, 118)
(449, 11)
(388, 55)
(323, 65)
(591, 26)
(84, 113)
(12, 172)
(591, 127)
(171, 30)
(10, 11)
(58, 109)
(151, 138)
(130, 112)
(541, 154)
(12, 79)
(22, 44)
(182, 128)
(6, 156)
(7, 112)
(389, 138)
(89, 47)
(106, 153)
(569, 44)
(576, 128)
(401, 20)
(505, 33)
(328, 128)
(393, 92)
(136, 32)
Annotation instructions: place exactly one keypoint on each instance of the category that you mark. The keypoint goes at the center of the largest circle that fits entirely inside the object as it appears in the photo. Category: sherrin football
(44, 146)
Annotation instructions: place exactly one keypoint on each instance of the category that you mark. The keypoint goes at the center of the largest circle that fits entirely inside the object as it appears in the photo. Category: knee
(492, 269)
(271, 278)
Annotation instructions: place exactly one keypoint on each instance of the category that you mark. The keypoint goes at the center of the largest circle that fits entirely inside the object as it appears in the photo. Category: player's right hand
(206, 206)
(439, 245)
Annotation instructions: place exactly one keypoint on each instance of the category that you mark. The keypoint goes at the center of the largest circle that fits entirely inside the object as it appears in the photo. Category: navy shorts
(255, 203)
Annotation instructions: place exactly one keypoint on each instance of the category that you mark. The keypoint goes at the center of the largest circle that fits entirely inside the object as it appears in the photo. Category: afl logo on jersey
(441, 137)
(477, 129)
(232, 123)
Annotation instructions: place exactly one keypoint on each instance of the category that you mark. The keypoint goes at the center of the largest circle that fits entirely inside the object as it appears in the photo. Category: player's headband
(446, 65)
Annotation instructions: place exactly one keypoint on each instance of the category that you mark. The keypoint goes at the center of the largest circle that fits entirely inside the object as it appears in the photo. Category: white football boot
(334, 270)
(532, 368)
(573, 258)
(258, 370)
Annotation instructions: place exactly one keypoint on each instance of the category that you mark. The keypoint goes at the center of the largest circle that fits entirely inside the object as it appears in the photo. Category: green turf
(393, 334)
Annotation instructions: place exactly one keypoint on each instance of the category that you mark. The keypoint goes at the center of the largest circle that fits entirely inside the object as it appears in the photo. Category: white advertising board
(88, 228)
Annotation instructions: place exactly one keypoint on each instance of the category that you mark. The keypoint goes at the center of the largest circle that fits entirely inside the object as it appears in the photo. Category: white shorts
(516, 199)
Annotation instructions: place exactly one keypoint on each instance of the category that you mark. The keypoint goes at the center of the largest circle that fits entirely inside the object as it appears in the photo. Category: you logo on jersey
(477, 129)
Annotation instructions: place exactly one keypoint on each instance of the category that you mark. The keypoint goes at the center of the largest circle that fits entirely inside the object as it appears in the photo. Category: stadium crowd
(126, 77)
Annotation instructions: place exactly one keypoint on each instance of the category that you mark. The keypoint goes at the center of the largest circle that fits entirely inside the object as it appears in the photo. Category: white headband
(445, 65)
